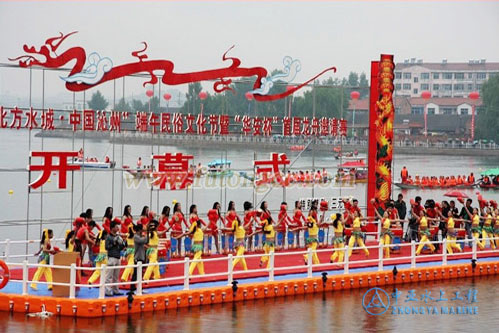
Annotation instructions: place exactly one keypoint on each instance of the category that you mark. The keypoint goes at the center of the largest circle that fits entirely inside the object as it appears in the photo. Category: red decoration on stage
(53, 58)
(48, 166)
(381, 131)
(174, 170)
(272, 166)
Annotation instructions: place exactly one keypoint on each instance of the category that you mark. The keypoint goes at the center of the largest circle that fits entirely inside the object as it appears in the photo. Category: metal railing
(308, 267)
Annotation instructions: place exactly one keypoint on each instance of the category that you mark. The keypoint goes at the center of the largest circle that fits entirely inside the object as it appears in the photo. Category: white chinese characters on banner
(334, 203)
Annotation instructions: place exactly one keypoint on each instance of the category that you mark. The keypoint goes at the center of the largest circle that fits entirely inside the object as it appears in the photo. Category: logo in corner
(376, 301)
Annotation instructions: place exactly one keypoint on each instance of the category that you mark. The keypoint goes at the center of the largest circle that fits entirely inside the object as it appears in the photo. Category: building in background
(442, 79)
(447, 116)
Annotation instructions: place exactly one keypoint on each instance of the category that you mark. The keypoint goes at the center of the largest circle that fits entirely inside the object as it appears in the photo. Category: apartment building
(442, 79)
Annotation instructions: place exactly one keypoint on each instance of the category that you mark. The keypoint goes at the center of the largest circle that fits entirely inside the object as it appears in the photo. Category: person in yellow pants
(44, 259)
(312, 240)
(197, 234)
(488, 230)
(239, 233)
(129, 254)
(269, 244)
(69, 240)
(386, 235)
(338, 241)
(101, 257)
(357, 235)
(152, 251)
(425, 234)
(496, 227)
(475, 226)
(451, 235)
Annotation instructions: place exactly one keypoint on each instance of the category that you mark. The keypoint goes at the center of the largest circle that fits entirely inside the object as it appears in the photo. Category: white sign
(334, 203)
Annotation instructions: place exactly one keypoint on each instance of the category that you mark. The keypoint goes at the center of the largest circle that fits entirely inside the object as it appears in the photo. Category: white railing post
(230, 270)
(271, 271)
(347, 260)
(72, 281)
(25, 277)
(7, 249)
(473, 247)
(413, 254)
(444, 251)
(186, 273)
(103, 273)
(309, 263)
(380, 257)
(139, 278)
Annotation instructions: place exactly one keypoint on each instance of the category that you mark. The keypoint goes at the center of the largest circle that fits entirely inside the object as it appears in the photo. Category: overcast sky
(194, 35)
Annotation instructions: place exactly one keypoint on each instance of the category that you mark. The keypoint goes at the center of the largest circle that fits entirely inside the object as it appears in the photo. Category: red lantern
(474, 95)
(150, 93)
(249, 96)
(202, 95)
(167, 96)
(426, 94)
(354, 95)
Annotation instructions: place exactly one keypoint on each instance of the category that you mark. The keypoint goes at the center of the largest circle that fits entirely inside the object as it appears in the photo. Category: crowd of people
(152, 238)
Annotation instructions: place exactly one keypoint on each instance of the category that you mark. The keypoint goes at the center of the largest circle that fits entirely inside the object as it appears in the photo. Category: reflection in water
(338, 311)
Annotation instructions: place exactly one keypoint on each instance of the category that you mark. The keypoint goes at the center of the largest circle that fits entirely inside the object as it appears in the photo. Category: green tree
(138, 106)
(123, 106)
(487, 120)
(353, 79)
(192, 103)
(97, 102)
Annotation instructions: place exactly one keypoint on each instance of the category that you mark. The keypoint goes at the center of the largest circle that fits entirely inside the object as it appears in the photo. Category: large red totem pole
(381, 117)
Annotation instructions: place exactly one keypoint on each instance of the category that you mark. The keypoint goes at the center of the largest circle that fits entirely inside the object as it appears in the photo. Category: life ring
(4, 274)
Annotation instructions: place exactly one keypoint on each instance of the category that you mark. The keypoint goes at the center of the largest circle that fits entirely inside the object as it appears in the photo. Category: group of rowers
(258, 229)
(433, 181)
(296, 177)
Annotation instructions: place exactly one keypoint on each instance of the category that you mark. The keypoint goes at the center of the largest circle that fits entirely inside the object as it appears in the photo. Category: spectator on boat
(401, 208)
(107, 159)
(139, 240)
(114, 245)
(496, 180)
(471, 179)
(467, 217)
(404, 174)
(412, 230)
(139, 163)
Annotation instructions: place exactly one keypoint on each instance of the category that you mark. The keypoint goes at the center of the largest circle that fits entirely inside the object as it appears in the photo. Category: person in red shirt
(228, 236)
(264, 216)
(416, 208)
(213, 217)
(127, 220)
(404, 174)
(107, 218)
(86, 237)
(177, 230)
(299, 221)
(250, 216)
(283, 221)
(144, 217)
